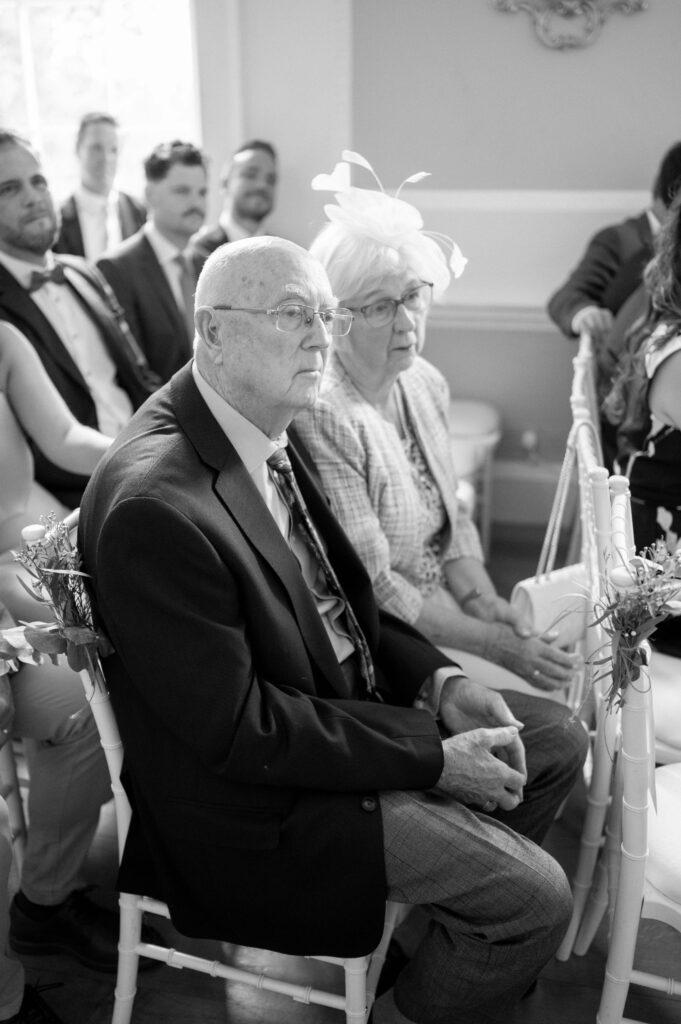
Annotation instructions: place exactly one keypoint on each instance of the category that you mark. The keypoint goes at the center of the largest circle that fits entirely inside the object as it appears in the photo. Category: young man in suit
(97, 216)
(65, 310)
(606, 278)
(248, 181)
(61, 309)
(152, 273)
(613, 263)
(267, 706)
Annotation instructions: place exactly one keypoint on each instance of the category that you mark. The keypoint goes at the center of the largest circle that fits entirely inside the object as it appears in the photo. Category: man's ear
(207, 327)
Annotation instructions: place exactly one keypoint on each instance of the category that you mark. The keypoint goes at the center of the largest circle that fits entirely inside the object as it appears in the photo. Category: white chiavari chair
(641, 868)
(361, 974)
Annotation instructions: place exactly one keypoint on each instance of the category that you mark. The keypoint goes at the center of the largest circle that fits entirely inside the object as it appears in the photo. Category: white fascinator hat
(366, 224)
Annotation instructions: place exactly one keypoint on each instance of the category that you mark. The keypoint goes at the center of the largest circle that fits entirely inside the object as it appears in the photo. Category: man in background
(152, 273)
(248, 182)
(65, 311)
(612, 265)
(97, 216)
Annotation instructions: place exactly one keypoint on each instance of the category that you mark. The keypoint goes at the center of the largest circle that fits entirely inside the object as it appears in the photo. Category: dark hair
(626, 405)
(668, 176)
(167, 154)
(257, 144)
(266, 147)
(94, 117)
(10, 138)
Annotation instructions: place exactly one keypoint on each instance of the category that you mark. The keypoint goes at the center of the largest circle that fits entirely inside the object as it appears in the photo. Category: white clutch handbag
(556, 599)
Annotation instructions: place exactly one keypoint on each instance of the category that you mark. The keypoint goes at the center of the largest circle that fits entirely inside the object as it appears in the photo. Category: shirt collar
(252, 446)
(164, 250)
(93, 202)
(22, 270)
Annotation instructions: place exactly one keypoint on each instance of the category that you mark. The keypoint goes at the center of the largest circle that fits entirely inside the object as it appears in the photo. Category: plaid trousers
(498, 904)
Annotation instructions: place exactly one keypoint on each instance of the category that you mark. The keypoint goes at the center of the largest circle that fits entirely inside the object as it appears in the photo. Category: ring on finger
(536, 674)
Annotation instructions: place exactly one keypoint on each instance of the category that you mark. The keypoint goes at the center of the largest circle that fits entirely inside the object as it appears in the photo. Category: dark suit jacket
(141, 287)
(610, 269)
(131, 214)
(17, 306)
(253, 768)
(206, 241)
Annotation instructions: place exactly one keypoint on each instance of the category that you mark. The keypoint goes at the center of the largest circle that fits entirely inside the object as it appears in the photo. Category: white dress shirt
(82, 339)
(100, 224)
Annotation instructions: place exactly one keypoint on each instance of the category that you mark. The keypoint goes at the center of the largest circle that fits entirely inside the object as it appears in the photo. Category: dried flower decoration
(53, 564)
(637, 596)
(388, 220)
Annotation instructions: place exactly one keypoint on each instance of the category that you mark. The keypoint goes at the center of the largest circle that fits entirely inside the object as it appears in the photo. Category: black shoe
(79, 928)
(395, 962)
(34, 1009)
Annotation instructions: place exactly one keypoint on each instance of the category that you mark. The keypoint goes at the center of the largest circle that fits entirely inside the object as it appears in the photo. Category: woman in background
(378, 435)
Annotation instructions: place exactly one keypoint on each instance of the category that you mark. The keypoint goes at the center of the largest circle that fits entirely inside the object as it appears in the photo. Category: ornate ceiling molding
(583, 19)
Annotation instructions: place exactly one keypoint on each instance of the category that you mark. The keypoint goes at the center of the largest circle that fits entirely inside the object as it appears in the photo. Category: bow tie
(41, 277)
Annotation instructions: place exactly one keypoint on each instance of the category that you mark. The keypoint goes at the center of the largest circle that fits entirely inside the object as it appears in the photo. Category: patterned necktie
(41, 277)
(187, 287)
(290, 492)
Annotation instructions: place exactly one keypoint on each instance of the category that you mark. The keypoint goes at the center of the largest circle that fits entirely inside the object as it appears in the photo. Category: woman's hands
(535, 658)
(489, 607)
(484, 759)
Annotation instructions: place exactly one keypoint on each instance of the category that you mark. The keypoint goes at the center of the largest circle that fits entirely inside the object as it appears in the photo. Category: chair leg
(356, 989)
(591, 841)
(128, 959)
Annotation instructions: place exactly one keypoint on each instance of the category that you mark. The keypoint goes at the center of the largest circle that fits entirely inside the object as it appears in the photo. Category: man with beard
(153, 273)
(66, 310)
(59, 306)
(248, 182)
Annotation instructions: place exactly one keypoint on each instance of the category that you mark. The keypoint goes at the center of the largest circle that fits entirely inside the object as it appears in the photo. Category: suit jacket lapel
(243, 503)
(157, 282)
(125, 216)
(72, 234)
(17, 300)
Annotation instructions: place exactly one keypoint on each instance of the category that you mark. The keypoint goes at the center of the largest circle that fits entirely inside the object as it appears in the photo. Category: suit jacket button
(369, 803)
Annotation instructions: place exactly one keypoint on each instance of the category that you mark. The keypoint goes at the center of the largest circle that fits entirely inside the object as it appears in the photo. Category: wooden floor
(566, 993)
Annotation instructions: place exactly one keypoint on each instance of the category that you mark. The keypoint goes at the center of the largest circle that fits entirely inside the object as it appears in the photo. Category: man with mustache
(248, 182)
(152, 273)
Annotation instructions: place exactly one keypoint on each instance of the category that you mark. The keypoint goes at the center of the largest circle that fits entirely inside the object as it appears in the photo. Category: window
(131, 58)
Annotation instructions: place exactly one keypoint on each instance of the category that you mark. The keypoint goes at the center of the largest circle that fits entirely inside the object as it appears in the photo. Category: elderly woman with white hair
(379, 438)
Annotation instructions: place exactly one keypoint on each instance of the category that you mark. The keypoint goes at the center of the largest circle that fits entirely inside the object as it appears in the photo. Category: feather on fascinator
(388, 220)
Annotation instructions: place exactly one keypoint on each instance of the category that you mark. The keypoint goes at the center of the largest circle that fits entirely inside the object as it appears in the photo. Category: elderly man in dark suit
(248, 182)
(267, 706)
(97, 216)
(152, 273)
(67, 312)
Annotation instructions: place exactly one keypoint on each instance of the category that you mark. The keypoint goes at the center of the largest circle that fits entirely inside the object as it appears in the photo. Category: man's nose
(319, 333)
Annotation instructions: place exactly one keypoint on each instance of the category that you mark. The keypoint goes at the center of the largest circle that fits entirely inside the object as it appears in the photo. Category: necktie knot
(279, 462)
(41, 277)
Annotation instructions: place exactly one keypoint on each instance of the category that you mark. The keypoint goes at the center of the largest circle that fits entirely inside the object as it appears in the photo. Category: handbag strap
(547, 556)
